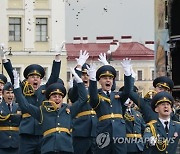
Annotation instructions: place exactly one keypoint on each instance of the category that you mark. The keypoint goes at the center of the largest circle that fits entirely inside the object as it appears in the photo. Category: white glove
(133, 73)
(127, 102)
(16, 79)
(70, 83)
(83, 56)
(57, 58)
(76, 76)
(152, 141)
(102, 59)
(59, 48)
(2, 52)
(126, 64)
(91, 72)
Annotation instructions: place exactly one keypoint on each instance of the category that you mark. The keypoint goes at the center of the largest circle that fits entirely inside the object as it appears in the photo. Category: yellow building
(32, 31)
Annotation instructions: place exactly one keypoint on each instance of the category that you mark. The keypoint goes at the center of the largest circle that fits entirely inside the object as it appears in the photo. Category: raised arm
(126, 65)
(93, 90)
(73, 91)
(21, 100)
(55, 71)
(82, 95)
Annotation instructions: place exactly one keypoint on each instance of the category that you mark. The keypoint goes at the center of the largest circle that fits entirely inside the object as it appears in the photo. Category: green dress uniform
(84, 124)
(56, 123)
(3, 81)
(167, 138)
(111, 124)
(9, 126)
(135, 127)
(145, 103)
(30, 130)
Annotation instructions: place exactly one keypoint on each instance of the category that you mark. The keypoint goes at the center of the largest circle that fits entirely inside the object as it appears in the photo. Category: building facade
(32, 31)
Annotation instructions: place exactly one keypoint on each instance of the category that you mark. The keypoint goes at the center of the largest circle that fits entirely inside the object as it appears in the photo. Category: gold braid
(28, 89)
(4, 118)
(159, 143)
(50, 106)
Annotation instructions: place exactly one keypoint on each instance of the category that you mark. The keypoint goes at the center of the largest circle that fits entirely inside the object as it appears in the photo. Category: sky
(92, 18)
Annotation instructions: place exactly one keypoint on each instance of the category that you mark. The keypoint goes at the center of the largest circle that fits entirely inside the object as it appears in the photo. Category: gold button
(57, 129)
(9, 136)
(58, 116)
(111, 105)
(112, 115)
(58, 124)
(10, 128)
(9, 120)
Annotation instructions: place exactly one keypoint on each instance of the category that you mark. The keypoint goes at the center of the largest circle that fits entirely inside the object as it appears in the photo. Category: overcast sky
(94, 18)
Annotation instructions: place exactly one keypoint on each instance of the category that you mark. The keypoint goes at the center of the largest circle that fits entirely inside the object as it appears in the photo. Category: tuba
(150, 94)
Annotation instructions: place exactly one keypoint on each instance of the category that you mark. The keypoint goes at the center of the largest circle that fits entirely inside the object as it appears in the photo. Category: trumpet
(150, 94)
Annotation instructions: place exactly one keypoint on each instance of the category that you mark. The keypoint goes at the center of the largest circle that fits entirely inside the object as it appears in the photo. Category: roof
(133, 50)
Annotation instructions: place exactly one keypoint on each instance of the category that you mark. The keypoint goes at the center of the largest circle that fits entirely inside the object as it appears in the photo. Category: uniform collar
(162, 121)
(107, 91)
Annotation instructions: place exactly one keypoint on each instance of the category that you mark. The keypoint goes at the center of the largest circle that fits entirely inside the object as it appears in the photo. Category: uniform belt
(9, 128)
(57, 129)
(110, 116)
(26, 115)
(84, 113)
(134, 135)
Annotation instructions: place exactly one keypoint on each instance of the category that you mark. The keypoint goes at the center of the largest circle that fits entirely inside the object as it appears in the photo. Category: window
(117, 76)
(68, 76)
(139, 74)
(14, 29)
(46, 73)
(152, 74)
(41, 29)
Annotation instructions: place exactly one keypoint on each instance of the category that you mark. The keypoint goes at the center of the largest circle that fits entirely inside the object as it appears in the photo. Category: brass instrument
(150, 94)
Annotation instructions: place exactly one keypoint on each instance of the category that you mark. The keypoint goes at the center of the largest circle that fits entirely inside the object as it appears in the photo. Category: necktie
(166, 127)
(9, 107)
(108, 94)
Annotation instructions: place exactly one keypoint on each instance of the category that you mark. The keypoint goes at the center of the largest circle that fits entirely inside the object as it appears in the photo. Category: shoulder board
(176, 122)
(151, 122)
(116, 96)
(104, 98)
(43, 91)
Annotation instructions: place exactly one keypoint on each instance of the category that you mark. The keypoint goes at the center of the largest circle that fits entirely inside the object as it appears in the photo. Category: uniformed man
(10, 117)
(163, 134)
(84, 124)
(54, 115)
(30, 129)
(162, 83)
(135, 127)
(108, 106)
(3, 81)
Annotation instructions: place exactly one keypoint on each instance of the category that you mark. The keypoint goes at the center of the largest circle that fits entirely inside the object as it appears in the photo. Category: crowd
(36, 119)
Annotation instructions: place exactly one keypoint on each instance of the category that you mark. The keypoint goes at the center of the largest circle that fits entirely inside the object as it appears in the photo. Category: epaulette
(151, 122)
(104, 98)
(176, 122)
(43, 91)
